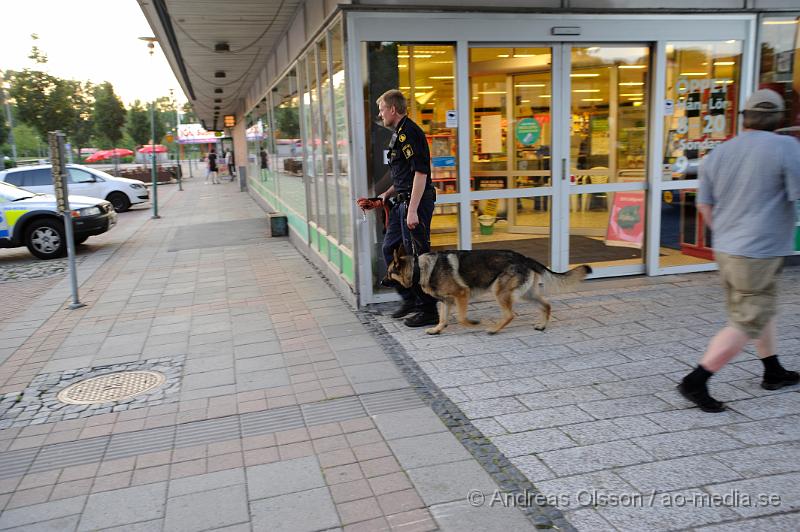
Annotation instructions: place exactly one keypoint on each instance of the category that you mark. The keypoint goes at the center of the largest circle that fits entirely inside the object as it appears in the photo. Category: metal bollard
(242, 178)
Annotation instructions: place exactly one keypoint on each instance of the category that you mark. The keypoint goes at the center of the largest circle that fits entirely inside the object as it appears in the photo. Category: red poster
(626, 220)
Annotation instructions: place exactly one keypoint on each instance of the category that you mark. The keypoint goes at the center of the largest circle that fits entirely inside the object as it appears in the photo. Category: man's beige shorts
(750, 289)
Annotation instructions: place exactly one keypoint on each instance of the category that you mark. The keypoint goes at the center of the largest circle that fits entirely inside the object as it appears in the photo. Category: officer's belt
(405, 197)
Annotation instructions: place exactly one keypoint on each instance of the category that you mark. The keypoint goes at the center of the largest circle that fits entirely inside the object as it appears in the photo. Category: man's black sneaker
(776, 382)
(701, 398)
(406, 308)
(422, 319)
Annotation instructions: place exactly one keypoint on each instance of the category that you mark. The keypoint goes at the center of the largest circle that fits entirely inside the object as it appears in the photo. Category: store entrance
(559, 152)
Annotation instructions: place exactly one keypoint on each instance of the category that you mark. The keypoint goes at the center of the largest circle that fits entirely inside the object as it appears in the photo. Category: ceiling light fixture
(222, 47)
(219, 74)
(217, 91)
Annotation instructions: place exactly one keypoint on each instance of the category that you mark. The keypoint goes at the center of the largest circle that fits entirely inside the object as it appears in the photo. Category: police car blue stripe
(3, 232)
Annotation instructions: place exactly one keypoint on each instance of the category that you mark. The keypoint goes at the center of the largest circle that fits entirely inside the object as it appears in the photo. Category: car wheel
(120, 201)
(46, 239)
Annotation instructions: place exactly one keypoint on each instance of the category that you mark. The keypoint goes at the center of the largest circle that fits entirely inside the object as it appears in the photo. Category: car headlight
(136, 185)
(89, 211)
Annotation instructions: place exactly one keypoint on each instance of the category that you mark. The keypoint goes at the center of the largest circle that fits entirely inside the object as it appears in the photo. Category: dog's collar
(416, 274)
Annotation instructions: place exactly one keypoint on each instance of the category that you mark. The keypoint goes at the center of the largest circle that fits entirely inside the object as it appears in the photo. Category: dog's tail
(564, 282)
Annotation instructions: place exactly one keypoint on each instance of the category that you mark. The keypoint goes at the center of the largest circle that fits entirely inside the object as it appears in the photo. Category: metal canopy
(193, 35)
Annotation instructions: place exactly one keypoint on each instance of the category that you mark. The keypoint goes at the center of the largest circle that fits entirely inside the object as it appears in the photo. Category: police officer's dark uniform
(409, 153)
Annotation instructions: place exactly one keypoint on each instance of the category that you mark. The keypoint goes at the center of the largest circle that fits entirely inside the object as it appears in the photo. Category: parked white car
(33, 220)
(84, 181)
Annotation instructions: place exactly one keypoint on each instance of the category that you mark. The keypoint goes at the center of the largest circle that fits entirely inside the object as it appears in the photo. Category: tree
(43, 101)
(109, 114)
(27, 140)
(138, 123)
(188, 114)
(80, 134)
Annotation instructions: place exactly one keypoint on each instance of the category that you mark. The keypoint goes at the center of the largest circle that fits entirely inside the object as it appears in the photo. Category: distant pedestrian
(264, 164)
(212, 168)
(231, 165)
(748, 189)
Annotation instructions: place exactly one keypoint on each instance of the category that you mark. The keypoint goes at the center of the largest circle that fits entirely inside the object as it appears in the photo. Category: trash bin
(487, 224)
(278, 225)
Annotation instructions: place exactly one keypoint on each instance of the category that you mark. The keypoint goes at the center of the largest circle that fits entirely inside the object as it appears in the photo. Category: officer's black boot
(426, 306)
(409, 304)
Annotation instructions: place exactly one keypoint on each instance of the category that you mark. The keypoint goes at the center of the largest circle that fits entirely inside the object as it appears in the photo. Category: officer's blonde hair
(394, 98)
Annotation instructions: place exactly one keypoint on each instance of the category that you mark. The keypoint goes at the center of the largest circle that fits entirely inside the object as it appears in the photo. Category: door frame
(563, 187)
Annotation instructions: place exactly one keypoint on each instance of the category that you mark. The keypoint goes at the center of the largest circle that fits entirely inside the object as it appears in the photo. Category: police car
(32, 220)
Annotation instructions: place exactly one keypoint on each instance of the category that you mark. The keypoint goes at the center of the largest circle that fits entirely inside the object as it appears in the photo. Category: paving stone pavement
(295, 412)
(288, 413)
(587, 410)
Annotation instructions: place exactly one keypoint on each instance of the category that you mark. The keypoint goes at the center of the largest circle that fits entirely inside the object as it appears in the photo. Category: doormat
(218, 234)
(582, 249)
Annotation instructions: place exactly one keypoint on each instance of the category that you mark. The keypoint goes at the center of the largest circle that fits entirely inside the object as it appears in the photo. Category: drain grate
(111, 387)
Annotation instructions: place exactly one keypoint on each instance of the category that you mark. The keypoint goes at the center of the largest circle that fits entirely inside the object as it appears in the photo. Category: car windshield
(9, 192)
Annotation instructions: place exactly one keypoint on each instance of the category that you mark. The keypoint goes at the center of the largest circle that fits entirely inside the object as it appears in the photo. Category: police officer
(412, 211)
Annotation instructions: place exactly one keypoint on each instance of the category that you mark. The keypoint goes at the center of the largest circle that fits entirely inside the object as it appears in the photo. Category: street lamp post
(151, 47)
(177, 144)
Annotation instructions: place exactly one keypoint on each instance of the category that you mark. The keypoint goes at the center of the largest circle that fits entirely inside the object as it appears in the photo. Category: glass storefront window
(312, 163)
(510, 86)
(685, 239)
(326, 146)
(521, 224)
(780, 71)
(341, 137)
(703, 85)
(288, 163)
(426, 75)
(608, 114)
(444, 227)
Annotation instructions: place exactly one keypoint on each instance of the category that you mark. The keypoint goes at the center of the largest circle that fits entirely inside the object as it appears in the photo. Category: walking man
(748, 186)
(230, 162)
(212, 168)
(411, 214)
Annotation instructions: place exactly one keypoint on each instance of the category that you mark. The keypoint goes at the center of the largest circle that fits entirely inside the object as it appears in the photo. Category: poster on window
(626, 220)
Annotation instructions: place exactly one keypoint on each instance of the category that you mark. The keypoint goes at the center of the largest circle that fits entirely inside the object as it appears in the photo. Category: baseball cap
(765, 100)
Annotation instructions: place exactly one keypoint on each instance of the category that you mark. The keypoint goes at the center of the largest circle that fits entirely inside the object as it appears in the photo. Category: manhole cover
(111, 387)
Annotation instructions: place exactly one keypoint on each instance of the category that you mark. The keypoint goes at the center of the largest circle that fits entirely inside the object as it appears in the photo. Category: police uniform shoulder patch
(407, 151)
(402, 137)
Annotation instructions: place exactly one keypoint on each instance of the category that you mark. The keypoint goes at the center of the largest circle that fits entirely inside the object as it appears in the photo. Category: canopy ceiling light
(217, 91)
(219, 74)
(221, 47)
(217, 100)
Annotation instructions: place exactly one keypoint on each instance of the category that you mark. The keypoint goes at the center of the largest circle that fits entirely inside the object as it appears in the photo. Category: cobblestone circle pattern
(111, 387)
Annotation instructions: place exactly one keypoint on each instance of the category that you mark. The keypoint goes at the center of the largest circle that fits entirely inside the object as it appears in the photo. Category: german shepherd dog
(454, 276)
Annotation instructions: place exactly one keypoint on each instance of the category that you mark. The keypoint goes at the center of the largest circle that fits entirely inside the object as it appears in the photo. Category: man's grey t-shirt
(752, 181)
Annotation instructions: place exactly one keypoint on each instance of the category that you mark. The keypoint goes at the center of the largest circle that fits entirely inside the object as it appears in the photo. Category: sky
(88, 40)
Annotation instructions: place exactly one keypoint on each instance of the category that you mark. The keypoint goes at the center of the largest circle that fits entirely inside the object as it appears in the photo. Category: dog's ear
(399, 252)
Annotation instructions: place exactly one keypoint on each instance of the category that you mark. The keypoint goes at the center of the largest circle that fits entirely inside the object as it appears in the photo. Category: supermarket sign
(196, 134)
